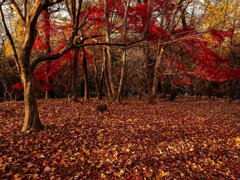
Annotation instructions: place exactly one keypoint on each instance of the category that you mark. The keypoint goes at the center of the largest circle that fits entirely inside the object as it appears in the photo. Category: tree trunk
(148, 69)
(49, 93)
(110, 73)
(160, 54)
(122, 77)
(74, 69)
(31, 119)
(120, 85)
(108, 54)
(106, 74)
(156, 71)
(85, 76)
(98, 84)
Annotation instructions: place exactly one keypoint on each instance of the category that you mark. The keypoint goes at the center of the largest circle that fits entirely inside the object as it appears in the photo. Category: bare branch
(70, 47)
(17, 10)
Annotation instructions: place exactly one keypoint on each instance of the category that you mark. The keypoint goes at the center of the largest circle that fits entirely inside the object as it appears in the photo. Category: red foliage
(156, 32)
(220, 35)
(17, 86)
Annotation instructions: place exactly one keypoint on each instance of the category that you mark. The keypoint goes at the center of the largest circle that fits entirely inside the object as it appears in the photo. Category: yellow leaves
(18, 37)
(237, 139)
(100, 137)
(86, 151)
(1, 161)
(161, 174)
(118, 174)
(221, 14)
(103, 176)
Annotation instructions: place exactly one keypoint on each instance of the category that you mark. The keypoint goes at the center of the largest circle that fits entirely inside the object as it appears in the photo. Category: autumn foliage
(181, 140)
(121, 49)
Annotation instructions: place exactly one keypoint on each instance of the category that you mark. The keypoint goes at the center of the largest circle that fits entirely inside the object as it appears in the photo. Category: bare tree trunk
(31, 120)
(85, 76)
(124, 52)
(97, 86)
(156, 73)
(147, 51)
(74, 69)
(108, 54)
(99, 96)
(122, 77)
(153, 91)
(111, 97)
(148, 70)
(110, 73)
(49, 93)
(98, 83)
(46, 22)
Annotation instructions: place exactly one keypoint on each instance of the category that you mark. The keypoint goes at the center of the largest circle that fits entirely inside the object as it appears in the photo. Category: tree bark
(85, 76)
(146, 49)
(148, 69)
(49, 93)
(74, 69)
(118, 98)
(98, 83)
(31, 119)
(108, 54)
(106, 74)
(120, 85)
(156, 71)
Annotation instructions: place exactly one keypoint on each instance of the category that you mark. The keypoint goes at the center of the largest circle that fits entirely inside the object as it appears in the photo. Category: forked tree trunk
(108, 55)
(124, 53)
(31, 119)
(156, 74)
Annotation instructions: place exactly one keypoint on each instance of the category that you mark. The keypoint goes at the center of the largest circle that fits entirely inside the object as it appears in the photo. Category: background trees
(122, 48)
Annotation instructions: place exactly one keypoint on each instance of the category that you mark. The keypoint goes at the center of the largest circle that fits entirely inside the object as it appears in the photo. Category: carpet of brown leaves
(168, 140)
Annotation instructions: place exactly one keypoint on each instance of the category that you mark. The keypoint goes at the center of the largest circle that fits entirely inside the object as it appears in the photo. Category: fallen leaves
(177, 140)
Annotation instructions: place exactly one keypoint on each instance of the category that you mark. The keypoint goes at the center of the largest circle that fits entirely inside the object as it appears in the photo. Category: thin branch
(25, 9)
(56, 56)
(2, 2)
(17, 10)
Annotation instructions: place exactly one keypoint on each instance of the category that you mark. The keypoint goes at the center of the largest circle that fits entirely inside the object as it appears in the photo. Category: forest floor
(184, 139)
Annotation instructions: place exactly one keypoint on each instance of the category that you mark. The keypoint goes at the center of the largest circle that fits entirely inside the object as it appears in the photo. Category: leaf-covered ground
(169, 140)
